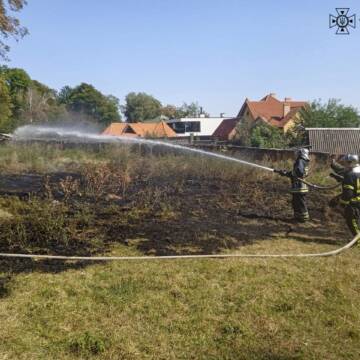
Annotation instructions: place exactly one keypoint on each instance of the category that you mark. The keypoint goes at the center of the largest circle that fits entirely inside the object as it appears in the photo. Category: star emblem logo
(342, 21)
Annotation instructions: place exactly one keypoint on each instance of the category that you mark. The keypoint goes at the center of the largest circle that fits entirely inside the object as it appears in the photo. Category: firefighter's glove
(283, 173)
(337, 177)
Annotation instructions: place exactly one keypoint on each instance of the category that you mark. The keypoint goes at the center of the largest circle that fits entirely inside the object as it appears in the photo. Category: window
(192, 126)
(129, 130)
(182, 127)
(178, 127)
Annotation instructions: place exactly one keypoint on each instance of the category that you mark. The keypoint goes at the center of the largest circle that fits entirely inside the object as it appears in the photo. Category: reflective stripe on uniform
(344, 202)
(355, 199)
(302, 216)
(349, 187)
(355, 225)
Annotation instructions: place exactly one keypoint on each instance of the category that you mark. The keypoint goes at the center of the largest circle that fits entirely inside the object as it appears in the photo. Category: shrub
(48, 227)
(265, 136)
(37, 226)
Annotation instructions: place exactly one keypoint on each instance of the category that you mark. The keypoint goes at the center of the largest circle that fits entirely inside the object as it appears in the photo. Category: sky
(215, 52)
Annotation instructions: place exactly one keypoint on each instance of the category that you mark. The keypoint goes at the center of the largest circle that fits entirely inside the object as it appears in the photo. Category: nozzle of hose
(282, 172)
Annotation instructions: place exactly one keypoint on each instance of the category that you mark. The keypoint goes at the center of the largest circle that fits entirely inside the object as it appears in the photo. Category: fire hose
(314, 186)
(170, 257)
(319, 187)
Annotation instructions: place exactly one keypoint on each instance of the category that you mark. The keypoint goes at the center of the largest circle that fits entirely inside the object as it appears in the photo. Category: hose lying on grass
(168, 257)
(319, 187)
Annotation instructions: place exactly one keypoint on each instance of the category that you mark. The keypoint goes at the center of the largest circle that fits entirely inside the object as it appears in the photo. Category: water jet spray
(36, 133)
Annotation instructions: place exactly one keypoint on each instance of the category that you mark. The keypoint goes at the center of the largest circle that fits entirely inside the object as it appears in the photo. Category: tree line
(27, 101)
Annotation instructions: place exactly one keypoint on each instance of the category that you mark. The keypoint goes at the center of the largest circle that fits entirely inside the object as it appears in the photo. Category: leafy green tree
(331, 114)
(63, 96)
(141, 107)
(243, 132)
(40, 104)
(86, 100)
(190, 110)
(5, 106)
(169, 111)
(31, 101)
(109, 110)
(17, 79)
(9, 25)
(18, 83)
(260, 134)
(43, 89)
(266, 136)
(185, 110)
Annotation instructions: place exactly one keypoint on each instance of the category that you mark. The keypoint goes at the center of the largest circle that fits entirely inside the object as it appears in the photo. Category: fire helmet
(303, 153)
(351, 160)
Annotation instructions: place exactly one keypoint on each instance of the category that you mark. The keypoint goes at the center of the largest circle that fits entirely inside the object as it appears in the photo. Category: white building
(198, 126)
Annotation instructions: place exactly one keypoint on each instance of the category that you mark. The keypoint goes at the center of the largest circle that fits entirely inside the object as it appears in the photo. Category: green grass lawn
(185, 309)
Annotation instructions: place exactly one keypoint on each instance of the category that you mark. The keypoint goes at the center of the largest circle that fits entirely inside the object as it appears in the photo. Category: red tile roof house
(226, 130)
(154, 130)
(270, 110)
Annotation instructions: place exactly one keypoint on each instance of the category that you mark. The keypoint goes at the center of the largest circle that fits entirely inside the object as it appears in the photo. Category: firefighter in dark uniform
(338, 174)
(338, 168)
(298, 188)
(350, 196)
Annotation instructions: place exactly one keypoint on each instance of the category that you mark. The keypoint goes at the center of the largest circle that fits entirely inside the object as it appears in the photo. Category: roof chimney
(287, 99)
(272, 94)
(287, 108)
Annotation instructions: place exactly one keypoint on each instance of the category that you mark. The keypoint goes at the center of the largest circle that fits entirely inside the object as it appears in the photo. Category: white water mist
(48, 133)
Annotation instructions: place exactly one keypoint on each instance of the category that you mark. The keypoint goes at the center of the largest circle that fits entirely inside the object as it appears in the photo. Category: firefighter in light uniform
(298, 188)
(350, 196)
